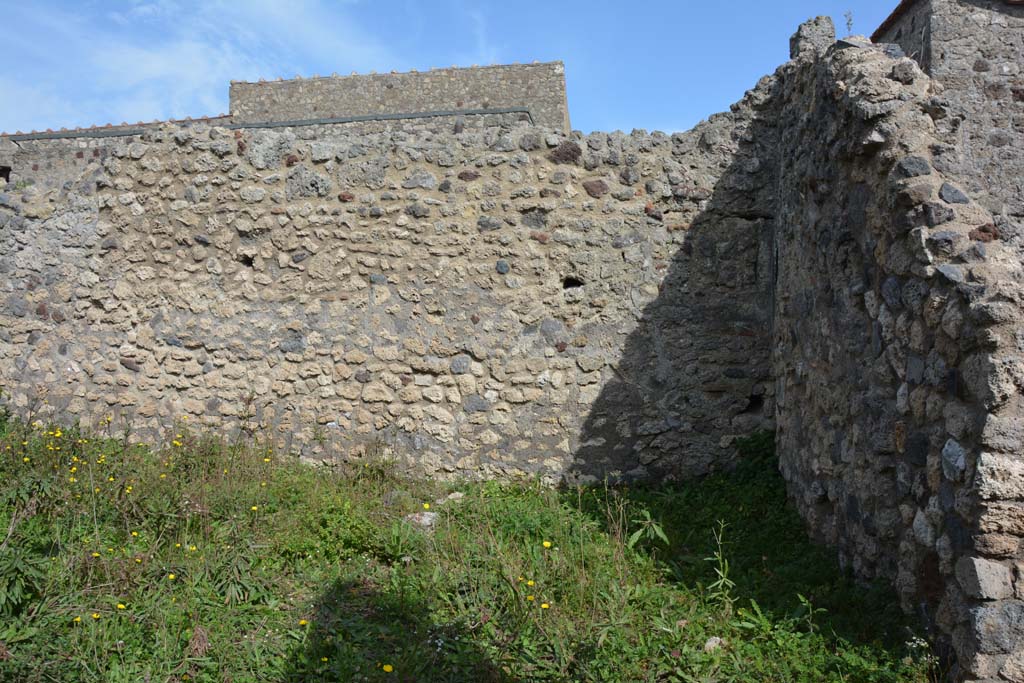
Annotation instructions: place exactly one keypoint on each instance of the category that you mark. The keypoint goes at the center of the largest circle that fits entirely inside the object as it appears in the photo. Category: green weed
(211, 560)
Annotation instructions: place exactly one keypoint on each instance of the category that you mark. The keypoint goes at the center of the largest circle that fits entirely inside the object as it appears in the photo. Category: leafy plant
(721, 589)
(221, 560)
(647, 530)
(22, 578)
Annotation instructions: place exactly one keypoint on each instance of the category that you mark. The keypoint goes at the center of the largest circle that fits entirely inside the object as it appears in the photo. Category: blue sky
(659, 64)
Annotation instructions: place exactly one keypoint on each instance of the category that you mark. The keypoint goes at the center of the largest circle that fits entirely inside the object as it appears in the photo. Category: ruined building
(436, 263)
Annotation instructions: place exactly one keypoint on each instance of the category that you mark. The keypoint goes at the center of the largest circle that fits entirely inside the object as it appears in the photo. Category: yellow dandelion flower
(388, 668)
(135, 533)
(530, 583)
(323, 659)
(95, 615)
(266, 459)
(302, 622)
(163, 476)
(254, 508)
(138, 560)
(177, 545)
(77, 620)
(171, 577)
(529, 598)
(26, 459)
(120, 605)
(191, 548)
(263, 483)
(544, 605)
(546, 544)
(426, 506)
(95, 554)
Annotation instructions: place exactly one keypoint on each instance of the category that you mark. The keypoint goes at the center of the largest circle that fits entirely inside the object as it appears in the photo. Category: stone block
(984, 579)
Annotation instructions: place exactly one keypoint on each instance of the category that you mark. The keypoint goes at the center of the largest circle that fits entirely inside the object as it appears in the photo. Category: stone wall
(492, 302)
(977, 47)
(539, 87)
(981, 68)
(897, 312)
(50, 163)
(836, 257)
(910, 27)
(49, 160)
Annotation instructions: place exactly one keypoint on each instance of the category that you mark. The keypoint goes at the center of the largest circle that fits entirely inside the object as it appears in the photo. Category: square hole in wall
(5, 173)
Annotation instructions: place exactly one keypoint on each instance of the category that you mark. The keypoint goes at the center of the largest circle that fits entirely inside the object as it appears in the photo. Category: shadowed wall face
(896, 310)
(976, 59)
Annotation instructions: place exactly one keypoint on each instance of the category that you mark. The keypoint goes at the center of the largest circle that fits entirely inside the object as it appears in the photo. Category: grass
(203, 560)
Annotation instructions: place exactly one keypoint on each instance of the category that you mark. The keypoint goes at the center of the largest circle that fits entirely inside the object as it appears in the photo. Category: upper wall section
(537, 87)
(975, 50)
(49, 160)
(910, 27)
(979, 61)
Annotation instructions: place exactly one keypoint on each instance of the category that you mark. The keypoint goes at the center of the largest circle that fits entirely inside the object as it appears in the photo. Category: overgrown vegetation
(203, 560)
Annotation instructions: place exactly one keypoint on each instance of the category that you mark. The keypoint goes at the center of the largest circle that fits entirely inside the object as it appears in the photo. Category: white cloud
(167, 59)
(486, 53)
(23, 106)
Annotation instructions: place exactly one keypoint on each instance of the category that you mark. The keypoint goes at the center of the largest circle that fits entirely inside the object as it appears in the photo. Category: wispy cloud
(486, 53)
(167, 58)
(24, 106)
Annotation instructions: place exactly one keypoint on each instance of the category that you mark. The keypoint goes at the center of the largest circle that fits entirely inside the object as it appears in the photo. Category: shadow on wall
(352, 624)
(695, 368)
(695, 372)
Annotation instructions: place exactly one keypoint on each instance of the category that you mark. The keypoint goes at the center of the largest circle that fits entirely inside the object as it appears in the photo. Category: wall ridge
(473, 67)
